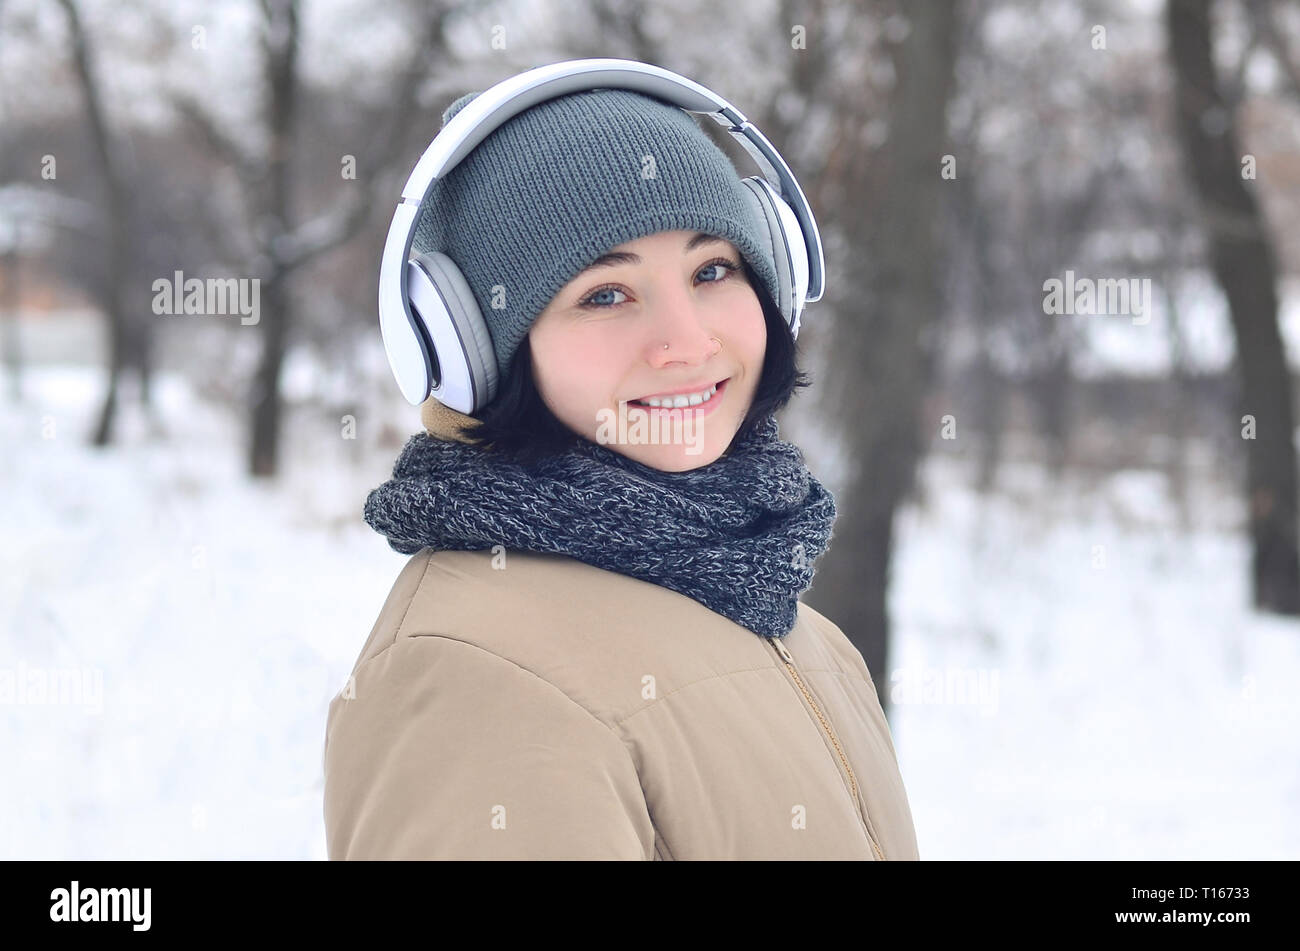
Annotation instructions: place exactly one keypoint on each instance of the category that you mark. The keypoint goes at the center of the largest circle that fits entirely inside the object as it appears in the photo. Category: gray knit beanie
(562, 183)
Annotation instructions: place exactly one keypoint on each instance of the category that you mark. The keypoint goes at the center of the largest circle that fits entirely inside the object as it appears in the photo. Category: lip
(700, 409)
(697, 388)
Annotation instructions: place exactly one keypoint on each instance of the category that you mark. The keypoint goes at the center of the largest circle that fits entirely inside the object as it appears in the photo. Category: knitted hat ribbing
(562, 183)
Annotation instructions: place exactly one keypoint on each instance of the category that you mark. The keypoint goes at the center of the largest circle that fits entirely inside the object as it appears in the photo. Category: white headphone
(434, 334)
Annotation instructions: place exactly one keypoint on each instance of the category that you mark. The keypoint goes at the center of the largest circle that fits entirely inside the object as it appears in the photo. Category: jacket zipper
(853, 783)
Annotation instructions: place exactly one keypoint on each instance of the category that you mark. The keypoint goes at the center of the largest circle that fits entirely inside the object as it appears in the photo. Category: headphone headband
(483, 114)
(497, 105)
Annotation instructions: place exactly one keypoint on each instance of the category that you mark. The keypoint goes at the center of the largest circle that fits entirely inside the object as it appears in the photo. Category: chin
(705, 445)
(674, 458)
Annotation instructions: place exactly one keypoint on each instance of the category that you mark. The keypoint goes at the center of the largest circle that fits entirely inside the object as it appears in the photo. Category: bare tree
(882, 355)
(127, 344)
(282, 243)
(280, 41)
(1241, 253)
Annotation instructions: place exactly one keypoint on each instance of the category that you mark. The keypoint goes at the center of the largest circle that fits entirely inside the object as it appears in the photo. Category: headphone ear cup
(464, 365)
(789, 250)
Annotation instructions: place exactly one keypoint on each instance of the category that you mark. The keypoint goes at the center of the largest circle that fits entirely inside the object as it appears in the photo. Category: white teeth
(682, 399)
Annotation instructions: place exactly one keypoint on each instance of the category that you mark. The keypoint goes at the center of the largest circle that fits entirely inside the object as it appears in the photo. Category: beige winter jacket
(511, 705)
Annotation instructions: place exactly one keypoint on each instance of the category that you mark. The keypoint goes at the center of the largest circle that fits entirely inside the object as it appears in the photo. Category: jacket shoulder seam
(507, 660)
(397, 628)
(419, 585)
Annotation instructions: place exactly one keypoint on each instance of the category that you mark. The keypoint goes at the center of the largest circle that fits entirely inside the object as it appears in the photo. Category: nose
(680, 324)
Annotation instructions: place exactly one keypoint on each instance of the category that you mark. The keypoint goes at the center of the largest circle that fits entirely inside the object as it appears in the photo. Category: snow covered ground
(1090, 684)
(1075, 679)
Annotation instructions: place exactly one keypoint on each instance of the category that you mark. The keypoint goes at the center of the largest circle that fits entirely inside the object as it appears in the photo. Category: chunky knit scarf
(739, 535)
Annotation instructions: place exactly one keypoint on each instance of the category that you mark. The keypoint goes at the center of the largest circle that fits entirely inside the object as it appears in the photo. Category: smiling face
(598, 348)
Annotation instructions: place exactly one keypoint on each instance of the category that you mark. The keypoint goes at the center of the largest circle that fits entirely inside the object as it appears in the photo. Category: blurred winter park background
(1053, 395)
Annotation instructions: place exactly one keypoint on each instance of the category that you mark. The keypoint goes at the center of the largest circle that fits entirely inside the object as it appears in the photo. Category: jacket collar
(444, 422)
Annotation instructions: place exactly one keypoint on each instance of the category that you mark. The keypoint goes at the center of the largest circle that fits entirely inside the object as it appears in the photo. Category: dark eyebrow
(614, 258)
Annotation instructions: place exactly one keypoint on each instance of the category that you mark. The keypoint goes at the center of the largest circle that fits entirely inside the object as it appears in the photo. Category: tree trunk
(117, 230)
(1242, 257)
(267, 405)
(281, 50)
(12, 343)
(882, 359)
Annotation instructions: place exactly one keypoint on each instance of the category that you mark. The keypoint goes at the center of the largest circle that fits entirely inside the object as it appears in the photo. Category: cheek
(551, 364)
(574, 362)
(596, 348)
(749, 331)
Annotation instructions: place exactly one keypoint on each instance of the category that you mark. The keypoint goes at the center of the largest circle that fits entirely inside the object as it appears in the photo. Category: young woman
(596, 648)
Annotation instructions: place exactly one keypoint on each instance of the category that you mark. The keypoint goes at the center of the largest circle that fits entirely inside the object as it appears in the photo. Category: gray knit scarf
(739, 535)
